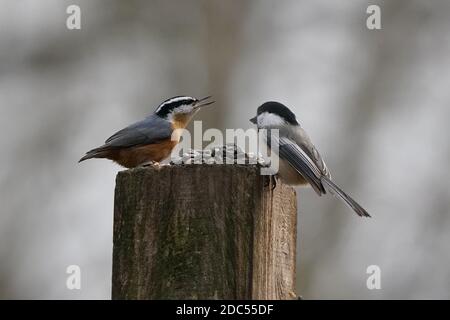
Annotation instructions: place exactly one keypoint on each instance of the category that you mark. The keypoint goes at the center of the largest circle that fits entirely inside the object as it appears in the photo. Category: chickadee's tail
(338, 192)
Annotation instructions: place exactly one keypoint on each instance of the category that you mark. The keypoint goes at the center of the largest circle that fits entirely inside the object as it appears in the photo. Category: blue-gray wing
(148, 131)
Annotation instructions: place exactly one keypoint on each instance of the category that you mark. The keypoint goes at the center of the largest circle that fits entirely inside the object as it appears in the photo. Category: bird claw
(149, 163)
(272, 181)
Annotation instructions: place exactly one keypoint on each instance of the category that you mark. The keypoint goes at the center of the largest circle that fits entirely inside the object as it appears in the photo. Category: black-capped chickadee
(150, 140)
(300, 162)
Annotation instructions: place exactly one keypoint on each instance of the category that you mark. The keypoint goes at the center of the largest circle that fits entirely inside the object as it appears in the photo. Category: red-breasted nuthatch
(300, 162)
(150, 140)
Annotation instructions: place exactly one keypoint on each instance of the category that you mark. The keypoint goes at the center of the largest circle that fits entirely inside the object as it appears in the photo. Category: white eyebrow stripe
(172, 100)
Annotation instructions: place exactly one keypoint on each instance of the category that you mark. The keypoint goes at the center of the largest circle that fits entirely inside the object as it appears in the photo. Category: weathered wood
(203, 232)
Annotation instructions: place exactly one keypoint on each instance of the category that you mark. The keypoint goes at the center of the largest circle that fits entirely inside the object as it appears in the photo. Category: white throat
(269, 120)
(183, 109)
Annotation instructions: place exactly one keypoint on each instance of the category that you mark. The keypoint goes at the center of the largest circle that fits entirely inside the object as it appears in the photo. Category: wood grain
(203, 232)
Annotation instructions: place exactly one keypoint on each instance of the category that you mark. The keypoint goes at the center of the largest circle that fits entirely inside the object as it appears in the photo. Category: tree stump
(203, 232)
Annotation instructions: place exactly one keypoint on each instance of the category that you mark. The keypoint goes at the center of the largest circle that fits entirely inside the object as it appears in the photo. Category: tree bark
(203, 232)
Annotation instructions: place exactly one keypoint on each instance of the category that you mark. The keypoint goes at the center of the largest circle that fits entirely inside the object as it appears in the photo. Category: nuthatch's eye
(181, 104)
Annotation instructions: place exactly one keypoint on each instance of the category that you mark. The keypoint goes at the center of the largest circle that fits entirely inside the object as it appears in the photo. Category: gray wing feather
(298, 158)
(148, 131)
(307, 161)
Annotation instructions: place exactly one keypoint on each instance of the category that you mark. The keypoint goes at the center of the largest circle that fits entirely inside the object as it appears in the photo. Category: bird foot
(149, 163)
(272, 181)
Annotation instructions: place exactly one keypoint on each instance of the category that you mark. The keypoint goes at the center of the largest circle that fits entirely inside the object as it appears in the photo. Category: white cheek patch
(266, 119)
(183, 109)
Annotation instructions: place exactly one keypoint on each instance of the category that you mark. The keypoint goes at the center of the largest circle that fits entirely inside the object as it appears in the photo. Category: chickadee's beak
(202, 102)
(254, 120)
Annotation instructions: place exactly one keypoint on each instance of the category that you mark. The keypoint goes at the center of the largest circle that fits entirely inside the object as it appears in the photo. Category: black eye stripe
(168, 106)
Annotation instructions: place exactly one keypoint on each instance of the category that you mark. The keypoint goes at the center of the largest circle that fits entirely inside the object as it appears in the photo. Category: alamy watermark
(73, 281)
(374, 280)
(373, 21)
(73, 21)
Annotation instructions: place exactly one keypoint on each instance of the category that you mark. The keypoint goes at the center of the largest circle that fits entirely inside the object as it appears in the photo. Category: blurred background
(375, 102)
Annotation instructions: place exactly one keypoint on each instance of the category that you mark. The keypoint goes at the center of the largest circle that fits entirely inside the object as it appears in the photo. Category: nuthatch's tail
(336, 191)
(94, 153)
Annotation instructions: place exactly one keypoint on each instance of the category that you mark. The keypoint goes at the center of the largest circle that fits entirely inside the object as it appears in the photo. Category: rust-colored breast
(135, 156)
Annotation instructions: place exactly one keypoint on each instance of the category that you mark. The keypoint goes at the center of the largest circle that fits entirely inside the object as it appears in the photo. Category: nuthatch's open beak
(202, 102)
(254, 120)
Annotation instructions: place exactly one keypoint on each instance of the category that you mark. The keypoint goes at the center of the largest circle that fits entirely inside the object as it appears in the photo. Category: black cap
(280, 110)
